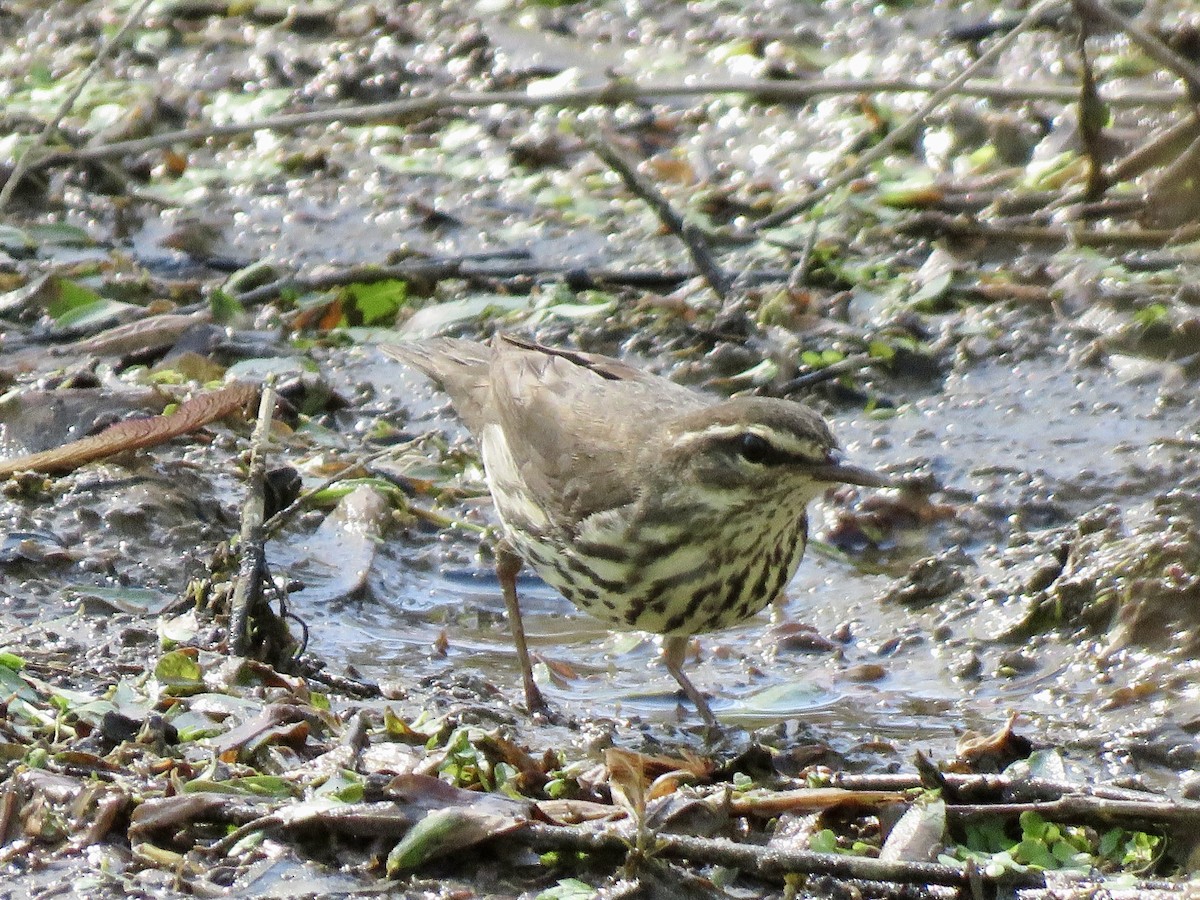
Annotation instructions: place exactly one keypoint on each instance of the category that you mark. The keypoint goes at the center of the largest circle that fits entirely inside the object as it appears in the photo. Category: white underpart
(505, 482)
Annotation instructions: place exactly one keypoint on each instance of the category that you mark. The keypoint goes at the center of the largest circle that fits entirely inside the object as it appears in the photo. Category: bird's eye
(753, 448)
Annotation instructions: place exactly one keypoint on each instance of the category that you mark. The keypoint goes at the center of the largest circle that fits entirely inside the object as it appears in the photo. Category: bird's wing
(576, 424)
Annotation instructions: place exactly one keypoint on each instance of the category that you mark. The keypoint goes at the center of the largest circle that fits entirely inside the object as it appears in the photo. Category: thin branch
(690, 235)
(1149, 44)
(763, 862)
(1162, 146)
(1092, 811)
(433, 271)
(768, 91)
(855, 362)
(909, 127)
(30, 155)
(939, 225)
(247, 593)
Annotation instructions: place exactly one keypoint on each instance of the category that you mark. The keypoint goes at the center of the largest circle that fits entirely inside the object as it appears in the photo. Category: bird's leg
(508, 564)
(674, 650)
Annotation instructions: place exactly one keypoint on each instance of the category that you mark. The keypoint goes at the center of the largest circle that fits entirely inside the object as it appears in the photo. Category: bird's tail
(459, 367)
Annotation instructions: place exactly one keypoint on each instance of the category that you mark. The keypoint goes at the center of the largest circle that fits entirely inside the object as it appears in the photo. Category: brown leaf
(774, 803)
(135, 434)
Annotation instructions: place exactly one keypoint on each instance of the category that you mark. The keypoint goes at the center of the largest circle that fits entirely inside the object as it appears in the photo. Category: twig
(252, 569)
(1149, 44)
(1166, 144)
(689, 234)
(762, 862)
(1013, 789)
(513, 274)
(853, 363)
(1092, 811)
(29, 156)
(906, 129)
(959, 226)
(1093, 114)
(604, 95)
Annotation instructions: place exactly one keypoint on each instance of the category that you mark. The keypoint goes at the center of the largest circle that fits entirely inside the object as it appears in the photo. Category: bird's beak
(837, 470)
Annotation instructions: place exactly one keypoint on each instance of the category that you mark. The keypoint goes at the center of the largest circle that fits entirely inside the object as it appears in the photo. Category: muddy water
(1021, 445)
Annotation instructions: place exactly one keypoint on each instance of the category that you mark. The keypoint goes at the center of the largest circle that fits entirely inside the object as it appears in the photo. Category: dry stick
(1150, 45)
(1092, 114)
(853, 363)
(762, 862)
(577, 277)
(604, 95)
(1095, 811)
(1013, 789)
(1167, 144)
(909, 126)
(27, 158)
(691, 236)
(955, 226)
(247, 593)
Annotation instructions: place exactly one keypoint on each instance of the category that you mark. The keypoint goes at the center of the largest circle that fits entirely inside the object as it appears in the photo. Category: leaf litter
(937, 276)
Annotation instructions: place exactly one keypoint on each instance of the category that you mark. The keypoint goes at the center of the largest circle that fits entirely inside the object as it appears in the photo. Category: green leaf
(568, 889)
(1033, 826)
(1034, 853)
(74, 305)
(824, 841)
(14, 240)
(880, 350)
(225, 307)
(70, 296)
(178, 669)
(60, 234)
(252, 785)
(377, 302)
(13, 685)
(344, 785)
(1110, 842)
(426, 840)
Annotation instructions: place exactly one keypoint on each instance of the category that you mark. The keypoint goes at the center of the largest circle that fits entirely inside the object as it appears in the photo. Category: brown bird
(646, 504)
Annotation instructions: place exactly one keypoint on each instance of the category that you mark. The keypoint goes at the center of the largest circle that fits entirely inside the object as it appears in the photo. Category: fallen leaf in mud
(444, 831)
(389, 759)
(283, 723)
(151, 333)
(572, 812)
(160, 813)
(636, 778)
(136, 434)
(773, 803)
(919, 835)
(991, 752)
(335, 561)
(679, 813)
(456, 819)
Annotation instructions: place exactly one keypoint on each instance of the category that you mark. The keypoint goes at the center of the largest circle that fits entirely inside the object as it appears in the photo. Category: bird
(647, 504)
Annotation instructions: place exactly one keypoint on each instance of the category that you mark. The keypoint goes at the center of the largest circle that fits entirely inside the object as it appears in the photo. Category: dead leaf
(136, 434)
